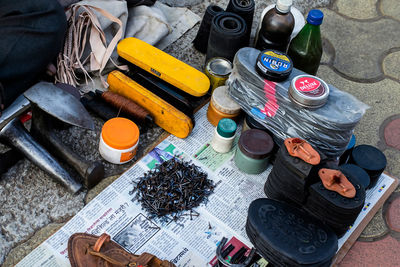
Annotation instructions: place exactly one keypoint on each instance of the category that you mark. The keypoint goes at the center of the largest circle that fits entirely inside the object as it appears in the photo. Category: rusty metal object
(335, 180)
(301, 149)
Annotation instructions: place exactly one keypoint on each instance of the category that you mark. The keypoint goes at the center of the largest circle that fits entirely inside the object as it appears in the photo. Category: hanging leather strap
(84, 27)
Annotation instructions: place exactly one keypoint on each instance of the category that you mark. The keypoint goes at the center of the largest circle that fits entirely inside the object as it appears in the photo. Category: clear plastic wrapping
(328, 128)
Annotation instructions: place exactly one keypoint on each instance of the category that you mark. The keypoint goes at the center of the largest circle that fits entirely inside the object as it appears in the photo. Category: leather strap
(83, 22)
(100, 241)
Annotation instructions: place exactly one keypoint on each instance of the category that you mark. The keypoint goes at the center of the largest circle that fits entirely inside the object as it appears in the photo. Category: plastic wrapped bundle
(328, 128)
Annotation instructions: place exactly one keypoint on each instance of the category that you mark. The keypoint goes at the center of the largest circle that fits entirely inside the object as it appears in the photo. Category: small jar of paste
(222, 106)
(119, 139)
(253, 151)
(224, 134)
(308, 91)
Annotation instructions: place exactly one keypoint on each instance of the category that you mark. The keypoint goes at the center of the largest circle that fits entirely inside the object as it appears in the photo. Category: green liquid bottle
(306, 48)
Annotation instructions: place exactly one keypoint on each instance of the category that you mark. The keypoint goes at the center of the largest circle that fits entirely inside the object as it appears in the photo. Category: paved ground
(361, 56)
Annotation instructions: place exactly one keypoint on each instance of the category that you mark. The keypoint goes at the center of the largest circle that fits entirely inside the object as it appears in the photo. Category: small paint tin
(253, 151)
(274, 65)
(218, 70)
(222, 106)
(308, 91)
(119, 139)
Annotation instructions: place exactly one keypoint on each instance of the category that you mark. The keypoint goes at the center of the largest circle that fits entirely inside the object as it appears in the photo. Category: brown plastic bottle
(276, 28)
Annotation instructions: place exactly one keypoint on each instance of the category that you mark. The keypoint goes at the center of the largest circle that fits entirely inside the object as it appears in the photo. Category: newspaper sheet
(192, 240)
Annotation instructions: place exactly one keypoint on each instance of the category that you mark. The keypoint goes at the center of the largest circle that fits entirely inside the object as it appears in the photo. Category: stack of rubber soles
(371, 159)
(288, 179)
(227, 36)
(328, 122)
(335, 210)
(288, 236)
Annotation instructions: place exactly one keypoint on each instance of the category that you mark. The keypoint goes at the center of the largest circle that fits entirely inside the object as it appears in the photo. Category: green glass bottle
(306, 48)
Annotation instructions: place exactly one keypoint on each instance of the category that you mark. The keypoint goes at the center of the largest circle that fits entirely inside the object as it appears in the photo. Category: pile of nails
(172, 188)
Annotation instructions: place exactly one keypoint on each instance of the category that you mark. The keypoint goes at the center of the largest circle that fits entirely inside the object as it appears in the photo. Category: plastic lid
(256, 144)
(315, 17)
(120, 133)
(284, 5)
(223, 102)
(226, 128)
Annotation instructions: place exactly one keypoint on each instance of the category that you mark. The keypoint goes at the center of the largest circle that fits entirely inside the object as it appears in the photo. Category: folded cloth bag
(85, 250)
(143, 20)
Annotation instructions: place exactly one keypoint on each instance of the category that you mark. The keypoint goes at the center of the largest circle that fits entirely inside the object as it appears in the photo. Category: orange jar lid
(120, 133)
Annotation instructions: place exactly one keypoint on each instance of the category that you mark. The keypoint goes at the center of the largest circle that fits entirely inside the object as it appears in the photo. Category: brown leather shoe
(335, 180)
(85, 250)
(301, 149)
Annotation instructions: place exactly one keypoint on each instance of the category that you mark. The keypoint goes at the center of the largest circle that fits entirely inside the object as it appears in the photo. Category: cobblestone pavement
(361, 56)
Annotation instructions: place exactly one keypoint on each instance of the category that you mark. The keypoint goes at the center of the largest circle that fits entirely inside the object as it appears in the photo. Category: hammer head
(59, 104)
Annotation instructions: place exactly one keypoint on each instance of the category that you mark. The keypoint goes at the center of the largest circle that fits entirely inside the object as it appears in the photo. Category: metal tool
(222, 261)
(91, 172)
(55, 102)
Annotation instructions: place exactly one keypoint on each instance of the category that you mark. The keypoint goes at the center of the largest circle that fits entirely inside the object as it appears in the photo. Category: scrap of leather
(335, 180)
(301, 149)
(85, 250)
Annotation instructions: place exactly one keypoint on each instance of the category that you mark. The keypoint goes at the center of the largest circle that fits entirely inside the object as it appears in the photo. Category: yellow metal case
(164, 66)
(165, 115)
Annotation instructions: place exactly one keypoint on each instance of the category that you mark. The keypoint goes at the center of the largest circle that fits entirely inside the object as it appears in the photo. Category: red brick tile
(382, 253)
(392, 134)
(393, 215)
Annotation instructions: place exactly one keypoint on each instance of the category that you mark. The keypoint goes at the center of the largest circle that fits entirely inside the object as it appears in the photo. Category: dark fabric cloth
(31, 36)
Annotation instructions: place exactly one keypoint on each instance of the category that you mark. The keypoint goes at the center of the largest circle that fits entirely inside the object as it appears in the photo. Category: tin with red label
(308, 91)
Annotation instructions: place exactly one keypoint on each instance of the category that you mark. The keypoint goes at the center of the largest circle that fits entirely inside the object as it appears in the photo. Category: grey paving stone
(391, 65)
(19, 252)
(382, 97)
(357, 9)
(391, 8)
(359, 44)
(375, 229)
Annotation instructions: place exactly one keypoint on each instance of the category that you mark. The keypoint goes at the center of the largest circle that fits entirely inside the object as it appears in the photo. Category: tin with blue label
(274, 65)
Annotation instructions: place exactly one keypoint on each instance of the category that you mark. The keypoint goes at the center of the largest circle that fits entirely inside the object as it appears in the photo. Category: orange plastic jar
(119, 140)
(222, 106)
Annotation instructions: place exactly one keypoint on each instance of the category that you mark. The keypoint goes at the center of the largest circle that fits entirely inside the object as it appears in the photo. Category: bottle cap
(120, 133)
(226, 128)
(315, 17)
(284, 5)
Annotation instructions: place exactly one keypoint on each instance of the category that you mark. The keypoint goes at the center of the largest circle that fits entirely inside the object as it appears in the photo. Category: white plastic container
(119, 140)
(224, 135)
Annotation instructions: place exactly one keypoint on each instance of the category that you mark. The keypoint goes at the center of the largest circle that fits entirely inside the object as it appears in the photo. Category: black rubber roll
(201, 40)
(227, 36)
(245, 9)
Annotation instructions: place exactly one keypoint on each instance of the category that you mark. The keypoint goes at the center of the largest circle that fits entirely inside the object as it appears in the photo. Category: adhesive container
(253, 151)
(224, 135)
(218, 70)
(308, 91)
(118, 140)
(250, 123)
(222, 106)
